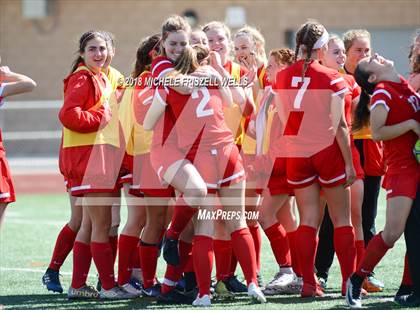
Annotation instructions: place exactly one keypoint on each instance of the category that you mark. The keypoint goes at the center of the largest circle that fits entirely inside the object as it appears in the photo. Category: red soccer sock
(127, 245)
(103, 258)
(256, 237)
(291, 236)
(203, 262)
(306, 242)
(223, 256)
(279, 244)
(63, 246)
(243, 247)
(375, 250)
(82, 258)
(135, 257)
(360, 251)
(233, 262)
(346, 250)
(406, 279)
(113, 241)
(181, 217)
(148, 261)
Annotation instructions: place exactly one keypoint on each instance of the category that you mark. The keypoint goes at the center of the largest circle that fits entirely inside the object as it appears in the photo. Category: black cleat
(170, 251)
(409, 301)
(234, 285)
(51, 279)
(174, 297)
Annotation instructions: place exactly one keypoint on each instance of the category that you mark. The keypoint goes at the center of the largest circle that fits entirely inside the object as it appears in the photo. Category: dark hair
(83, 41)
(143, 57)
(187, 62)
(172, 24)
(283, 56)
(414, 60)
(201, 51)
(362, 112)
(306, 38)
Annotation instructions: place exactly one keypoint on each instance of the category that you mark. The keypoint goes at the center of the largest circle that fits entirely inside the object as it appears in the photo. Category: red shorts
(162, 157)
(219, 167)
(325, 167)
(94, 169)
(126, 171)
(360, 174)
(277, 184)
(404, 184)
(145, 180)
(7, 191)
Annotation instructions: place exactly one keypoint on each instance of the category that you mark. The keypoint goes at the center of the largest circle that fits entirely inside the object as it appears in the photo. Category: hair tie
(322, 40)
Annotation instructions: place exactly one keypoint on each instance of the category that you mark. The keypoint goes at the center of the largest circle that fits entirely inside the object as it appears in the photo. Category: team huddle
(207, 122)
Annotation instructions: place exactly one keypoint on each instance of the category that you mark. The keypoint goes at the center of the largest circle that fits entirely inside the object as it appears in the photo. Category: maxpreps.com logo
(227, 215)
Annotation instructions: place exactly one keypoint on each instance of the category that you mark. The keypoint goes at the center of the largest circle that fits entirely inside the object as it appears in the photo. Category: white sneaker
(131, 289)
(115, 293)
(202, 301)
(282, 279)
(255, 292)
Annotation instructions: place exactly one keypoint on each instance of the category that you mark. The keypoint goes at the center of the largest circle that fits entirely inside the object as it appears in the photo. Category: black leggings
(412, 234)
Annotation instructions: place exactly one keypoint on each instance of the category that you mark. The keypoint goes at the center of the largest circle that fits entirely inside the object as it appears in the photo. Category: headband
(322, 40)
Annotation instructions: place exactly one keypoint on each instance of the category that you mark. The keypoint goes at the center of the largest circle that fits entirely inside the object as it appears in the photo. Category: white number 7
(295, 80)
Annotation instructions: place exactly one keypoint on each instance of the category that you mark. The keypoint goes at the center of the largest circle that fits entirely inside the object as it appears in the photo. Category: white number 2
(295, 80)
(201, 111)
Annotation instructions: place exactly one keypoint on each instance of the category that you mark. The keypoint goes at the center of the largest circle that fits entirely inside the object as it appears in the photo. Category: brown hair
(83, 41)
(306, 38)
(201, 51)
(143, 57)
(172, 24)
(283, 55)
(353, 34)
(187, 62)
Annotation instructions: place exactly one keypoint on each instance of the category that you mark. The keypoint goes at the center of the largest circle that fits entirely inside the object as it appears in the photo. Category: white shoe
(294, 287)
(282, 279)
(131, 289)
(255, 292)
(353, 295)
(202, 301)
(115, 293)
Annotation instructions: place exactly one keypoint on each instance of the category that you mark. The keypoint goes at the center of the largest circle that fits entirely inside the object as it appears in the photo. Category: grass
(33, 222)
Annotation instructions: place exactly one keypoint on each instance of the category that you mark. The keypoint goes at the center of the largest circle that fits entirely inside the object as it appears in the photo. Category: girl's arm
(13, 83)
(156, 110)
(380, 131)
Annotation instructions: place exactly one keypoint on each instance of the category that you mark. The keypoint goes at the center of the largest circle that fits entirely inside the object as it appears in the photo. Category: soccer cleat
(51, 279)
(115, 293)
(281, 280)
(354, 291)
(222, 292)
(98, 284)
(256, 294)
(309, 290)
(344, 289)
(373, 285)
(323, 282)
(294, 287)
(203, 301)
(234, 285)
(175, 297)
(170, 251)
(129, 288)
(409, 301)
(136, 284)
(153, 291)
(404, 290)
(85, 292)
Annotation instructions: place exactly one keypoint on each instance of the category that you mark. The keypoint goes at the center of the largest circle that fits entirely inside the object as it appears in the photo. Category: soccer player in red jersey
(315, 131)
(11, 83)
(236, 118)
(91, 138)
(394, 115)
(204, 137)
(335, 59)
(358, 46)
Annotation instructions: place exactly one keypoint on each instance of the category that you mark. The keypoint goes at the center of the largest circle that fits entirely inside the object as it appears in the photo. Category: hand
(248, 78)
(4, 71)
(215, 60)
(350, 175)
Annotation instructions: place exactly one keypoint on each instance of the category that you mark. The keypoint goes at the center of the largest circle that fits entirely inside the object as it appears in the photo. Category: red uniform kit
(402, 103)
(309, 135)
(7, 191)
(145, 179)
(90, 155)
(353, 93)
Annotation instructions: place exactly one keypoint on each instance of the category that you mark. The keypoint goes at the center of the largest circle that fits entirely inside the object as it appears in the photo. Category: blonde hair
(257, 38)
(217, 25)
(353, 34)
(187, 62)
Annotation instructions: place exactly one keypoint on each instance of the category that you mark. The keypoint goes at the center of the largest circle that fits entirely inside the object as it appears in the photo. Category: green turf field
(31, 227)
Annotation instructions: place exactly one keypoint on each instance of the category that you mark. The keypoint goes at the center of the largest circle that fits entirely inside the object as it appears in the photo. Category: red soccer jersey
(199, 114)
(305, 106)
(402, 103)
(142, 96)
